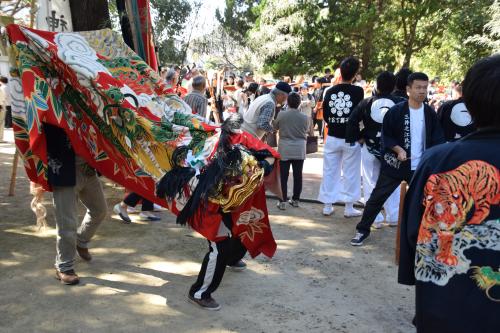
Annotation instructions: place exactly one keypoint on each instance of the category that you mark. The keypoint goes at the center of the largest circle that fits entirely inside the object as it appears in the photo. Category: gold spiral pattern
(250, 179)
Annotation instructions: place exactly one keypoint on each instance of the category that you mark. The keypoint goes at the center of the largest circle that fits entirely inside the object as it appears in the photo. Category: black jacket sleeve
(390, 127)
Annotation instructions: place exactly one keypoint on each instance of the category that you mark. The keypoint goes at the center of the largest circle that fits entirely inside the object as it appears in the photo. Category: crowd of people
(374, 136)
(341, 111)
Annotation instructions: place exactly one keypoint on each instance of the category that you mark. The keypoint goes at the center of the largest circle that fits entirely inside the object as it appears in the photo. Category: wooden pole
(15, 160)
(13, 174)
(402, 195)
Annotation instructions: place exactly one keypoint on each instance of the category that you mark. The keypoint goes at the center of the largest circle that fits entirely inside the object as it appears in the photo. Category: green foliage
(170, 52)
(223, 50)
(171, 16)
(452, 55)
(442, 37)
(169, 22)
(239, 17)
(490, 36)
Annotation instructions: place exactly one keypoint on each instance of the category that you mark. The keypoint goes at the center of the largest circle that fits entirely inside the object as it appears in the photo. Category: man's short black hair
(328, 71)
(3, 79)
(253, 87)
(321, 80)
(385, 83)
(349, 68)
(402, 78)
(481, 92)
(417, 76)
(293, 100)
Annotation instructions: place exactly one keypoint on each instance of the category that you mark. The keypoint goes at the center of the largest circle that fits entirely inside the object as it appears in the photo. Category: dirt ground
(140, 274)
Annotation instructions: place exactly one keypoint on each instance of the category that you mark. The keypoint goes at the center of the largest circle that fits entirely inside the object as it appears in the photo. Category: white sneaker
(392, 223)
(148, 216)
(281, 205)
(352, 213)
(132, 210)
(122, 212)
(379, 219)
(158, 208)
(328, 210)
(377, 225)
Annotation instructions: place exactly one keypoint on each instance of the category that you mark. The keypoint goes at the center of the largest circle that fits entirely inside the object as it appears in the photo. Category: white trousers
(370, 170)
(340, 158)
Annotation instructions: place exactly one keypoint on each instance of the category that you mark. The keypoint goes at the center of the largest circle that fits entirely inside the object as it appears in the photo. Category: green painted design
(56, 106)
(27, 58)
(115, 62)
(40, 167)
(35, 103)
(198, 141)
(20, 122)
(102, 156)
(163, 131)
(141, 173)
(486, 278)
(22, 136)
(115, 94)
(75, 98)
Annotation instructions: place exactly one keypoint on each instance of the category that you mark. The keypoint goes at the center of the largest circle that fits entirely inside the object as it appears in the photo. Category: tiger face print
(450, 196)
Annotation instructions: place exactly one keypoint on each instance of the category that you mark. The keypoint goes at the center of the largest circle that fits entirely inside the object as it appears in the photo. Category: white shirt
(417, 135)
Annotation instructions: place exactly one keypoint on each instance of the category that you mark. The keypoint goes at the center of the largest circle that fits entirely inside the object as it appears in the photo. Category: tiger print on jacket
(450, 196)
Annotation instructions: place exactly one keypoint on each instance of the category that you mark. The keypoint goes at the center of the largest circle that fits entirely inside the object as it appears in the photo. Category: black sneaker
(359, 238)
(238, 267)
(207, 303)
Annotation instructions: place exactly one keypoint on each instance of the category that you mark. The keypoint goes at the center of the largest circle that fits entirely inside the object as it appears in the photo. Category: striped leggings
(220, 254)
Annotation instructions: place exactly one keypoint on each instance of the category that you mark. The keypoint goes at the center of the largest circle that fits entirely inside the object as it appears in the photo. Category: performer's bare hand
(402, 155)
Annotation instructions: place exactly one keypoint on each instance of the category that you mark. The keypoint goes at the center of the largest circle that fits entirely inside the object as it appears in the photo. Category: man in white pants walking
(340, 157)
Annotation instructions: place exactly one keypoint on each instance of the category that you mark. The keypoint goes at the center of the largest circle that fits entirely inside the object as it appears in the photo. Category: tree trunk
(367, 50)
(408, 54)
(89, 15)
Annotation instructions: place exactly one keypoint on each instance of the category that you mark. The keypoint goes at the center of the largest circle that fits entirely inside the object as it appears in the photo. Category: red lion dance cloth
(122, 119)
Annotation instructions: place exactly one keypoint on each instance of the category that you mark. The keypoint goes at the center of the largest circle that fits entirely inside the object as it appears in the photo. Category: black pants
(319, 122)
(220, 254)
(132, 199)
(382, 191)
(297, 166)
(8, 117)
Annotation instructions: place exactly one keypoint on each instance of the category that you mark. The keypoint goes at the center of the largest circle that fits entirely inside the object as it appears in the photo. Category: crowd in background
(215, 95)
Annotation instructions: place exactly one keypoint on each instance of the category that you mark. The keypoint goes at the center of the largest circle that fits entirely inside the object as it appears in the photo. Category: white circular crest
(379, 109)
(460, 116)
